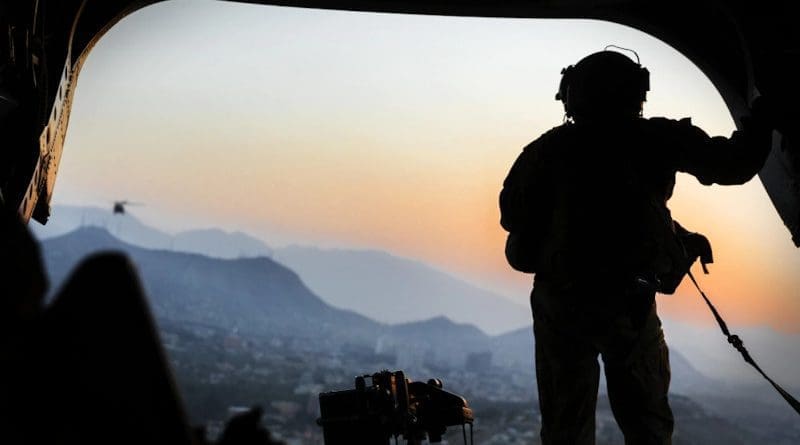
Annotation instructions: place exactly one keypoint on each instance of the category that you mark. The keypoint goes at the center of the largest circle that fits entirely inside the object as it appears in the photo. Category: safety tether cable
(739, 345)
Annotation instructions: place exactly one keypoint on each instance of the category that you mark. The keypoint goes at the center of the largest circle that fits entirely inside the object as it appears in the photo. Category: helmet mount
(605, 84)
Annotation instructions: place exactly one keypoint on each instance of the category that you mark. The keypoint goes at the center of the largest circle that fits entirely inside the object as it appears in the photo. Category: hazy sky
(381, 131)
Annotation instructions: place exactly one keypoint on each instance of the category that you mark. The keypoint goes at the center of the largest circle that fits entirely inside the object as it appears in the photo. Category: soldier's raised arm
(721, 160)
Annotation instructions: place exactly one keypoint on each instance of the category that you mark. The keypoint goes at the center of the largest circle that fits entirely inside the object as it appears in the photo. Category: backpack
(521, 251)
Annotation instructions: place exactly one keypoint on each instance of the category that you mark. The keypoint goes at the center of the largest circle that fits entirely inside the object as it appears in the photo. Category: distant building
(236, 410)
(385, 345)
(286, 408)
(309, 388)
(411, 358)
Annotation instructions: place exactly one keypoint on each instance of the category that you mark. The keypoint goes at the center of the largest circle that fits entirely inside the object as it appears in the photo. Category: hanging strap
(739, 345)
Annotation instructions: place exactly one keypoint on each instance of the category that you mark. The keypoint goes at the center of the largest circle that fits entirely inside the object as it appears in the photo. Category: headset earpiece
(564, 85)
(560, 94)
(644, 82)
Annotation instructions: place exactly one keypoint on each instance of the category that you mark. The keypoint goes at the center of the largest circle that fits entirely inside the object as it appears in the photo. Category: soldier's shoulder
(549, 138)
(666, 121)
(667, 124)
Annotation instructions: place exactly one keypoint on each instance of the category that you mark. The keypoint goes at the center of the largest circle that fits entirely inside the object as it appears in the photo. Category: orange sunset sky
(393, 132)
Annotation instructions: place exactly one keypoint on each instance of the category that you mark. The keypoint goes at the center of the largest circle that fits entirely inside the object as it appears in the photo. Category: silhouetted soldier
(585, 205)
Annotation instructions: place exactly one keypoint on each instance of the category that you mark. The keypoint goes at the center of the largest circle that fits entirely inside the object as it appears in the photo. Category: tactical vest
(609, 220)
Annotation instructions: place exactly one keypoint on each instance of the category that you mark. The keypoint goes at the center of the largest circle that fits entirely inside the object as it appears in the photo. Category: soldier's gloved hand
(698, 246)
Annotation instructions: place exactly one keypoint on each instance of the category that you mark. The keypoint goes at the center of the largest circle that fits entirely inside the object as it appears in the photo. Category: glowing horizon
(382, 131)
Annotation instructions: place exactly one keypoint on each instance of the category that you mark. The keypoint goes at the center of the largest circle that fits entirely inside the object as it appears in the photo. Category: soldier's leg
(638, 375)
(567, 374)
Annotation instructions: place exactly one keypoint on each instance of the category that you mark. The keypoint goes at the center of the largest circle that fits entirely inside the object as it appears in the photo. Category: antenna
(624, 49)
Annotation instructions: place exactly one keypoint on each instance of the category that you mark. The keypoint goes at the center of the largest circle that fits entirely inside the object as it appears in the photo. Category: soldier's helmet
(604, 85)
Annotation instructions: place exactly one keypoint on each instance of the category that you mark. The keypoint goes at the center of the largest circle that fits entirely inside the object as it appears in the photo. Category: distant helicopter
(119, 206)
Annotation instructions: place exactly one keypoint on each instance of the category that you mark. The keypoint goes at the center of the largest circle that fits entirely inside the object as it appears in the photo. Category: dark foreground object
(391, 406)
(89, 368)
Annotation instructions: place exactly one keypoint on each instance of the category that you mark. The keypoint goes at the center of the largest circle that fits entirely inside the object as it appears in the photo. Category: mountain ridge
(367, 281)
(193, 287)
(416, 290)
(708, 352)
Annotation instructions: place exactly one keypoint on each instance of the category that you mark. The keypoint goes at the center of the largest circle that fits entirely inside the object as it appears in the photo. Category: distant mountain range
(777, 353)
(382, 286)
(259, 296)
(126, 227)
(256, 296)
(262, 298)
(391, 289)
